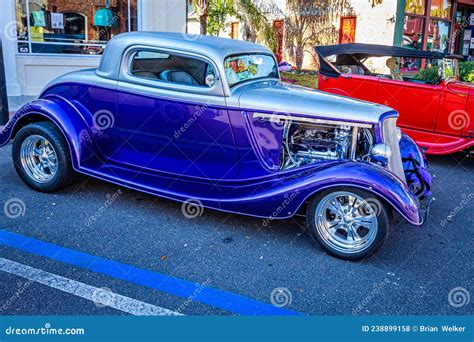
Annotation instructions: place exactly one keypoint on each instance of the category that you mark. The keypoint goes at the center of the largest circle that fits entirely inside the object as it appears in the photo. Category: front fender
(415, 166)
(377, 180)
(283, 197)
(66, 117)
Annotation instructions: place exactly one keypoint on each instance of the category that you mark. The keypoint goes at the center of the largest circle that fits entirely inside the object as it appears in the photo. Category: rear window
(172, 68)
(247, 67)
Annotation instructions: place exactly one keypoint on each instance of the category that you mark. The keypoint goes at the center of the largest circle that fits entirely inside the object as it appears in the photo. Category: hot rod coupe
(436, 109)
(207, 120)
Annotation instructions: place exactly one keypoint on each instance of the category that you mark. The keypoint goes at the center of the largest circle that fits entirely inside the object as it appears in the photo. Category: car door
(361, 87)
(453, 117)
(416, 103)
(168, 119)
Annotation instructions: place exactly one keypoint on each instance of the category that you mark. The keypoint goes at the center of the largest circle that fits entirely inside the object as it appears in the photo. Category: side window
(172, 68)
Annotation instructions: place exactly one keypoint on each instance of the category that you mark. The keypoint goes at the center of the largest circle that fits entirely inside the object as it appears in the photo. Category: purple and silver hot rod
(207, 120)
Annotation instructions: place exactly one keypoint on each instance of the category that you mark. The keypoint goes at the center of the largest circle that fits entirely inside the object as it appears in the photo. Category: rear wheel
(41, 157)
(348, 222)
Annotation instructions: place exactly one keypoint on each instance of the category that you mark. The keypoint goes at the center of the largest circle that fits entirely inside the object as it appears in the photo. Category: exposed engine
(308, 143)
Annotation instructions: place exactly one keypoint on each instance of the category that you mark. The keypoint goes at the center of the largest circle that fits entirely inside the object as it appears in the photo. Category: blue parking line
(157, 281)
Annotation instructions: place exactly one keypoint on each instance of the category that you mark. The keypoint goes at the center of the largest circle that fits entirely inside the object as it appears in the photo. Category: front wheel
(41, 157)
(349, 223)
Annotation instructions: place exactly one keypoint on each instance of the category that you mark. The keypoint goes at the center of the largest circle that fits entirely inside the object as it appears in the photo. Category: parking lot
(113, 241)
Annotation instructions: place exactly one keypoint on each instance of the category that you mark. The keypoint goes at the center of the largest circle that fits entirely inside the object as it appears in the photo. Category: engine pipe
(352, 152)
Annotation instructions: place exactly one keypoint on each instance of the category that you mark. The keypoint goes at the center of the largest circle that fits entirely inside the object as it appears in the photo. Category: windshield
(246, 67)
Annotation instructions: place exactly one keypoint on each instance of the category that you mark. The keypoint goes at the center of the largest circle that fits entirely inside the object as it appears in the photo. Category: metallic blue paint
(243, 177)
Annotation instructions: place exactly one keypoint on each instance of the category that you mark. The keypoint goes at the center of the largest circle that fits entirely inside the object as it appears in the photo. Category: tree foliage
(466, 71)
(256, 26)
(310, 23)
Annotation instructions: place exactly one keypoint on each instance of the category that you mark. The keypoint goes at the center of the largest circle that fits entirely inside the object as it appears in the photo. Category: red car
(436, 109)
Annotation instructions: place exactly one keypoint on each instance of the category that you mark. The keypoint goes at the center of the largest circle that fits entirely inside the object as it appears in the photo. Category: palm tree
(202, 9)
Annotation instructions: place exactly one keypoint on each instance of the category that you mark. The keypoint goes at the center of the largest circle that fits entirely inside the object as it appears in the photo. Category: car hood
(277, 97)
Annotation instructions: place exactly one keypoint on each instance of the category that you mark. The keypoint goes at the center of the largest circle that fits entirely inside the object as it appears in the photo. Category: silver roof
(215, 48)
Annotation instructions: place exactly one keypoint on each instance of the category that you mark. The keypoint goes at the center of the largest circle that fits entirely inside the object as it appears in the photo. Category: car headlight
(381, 150)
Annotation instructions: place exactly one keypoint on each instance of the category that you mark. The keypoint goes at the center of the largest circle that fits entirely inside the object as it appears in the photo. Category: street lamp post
(3, 89)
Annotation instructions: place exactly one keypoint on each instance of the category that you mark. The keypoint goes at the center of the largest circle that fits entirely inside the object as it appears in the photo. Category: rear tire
(41, 157)
(349, 223)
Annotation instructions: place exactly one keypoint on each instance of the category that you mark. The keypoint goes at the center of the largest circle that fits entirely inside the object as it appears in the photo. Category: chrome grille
(390, 137)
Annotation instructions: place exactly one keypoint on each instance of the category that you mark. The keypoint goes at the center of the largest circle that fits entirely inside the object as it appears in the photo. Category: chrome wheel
(346, 222)
(38, 158)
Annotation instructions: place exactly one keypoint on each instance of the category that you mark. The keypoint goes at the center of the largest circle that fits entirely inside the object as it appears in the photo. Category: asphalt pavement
(236, 261)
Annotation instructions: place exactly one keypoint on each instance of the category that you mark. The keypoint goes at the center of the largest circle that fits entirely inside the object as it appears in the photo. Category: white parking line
(100, 296)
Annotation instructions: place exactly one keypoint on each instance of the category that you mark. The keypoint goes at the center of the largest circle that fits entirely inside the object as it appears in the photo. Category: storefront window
(429, 28)
(441, 9)
(413, 32)
(415, 7)
(67, 27)
(438, 34)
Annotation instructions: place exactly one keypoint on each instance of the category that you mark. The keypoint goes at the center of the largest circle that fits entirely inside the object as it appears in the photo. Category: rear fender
(65, 116)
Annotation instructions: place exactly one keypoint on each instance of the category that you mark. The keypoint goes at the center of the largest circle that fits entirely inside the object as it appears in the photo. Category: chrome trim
(352, 153)
(342, 224)
(282, 118)
(390, 137)
(215, 48)
(127, 76)
(38, 159)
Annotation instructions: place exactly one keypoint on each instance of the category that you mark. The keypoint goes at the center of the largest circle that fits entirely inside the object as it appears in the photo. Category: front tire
(349, 223)
(41, 157)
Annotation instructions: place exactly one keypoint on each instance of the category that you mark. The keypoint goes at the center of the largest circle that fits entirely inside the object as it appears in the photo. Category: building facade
(43, 39)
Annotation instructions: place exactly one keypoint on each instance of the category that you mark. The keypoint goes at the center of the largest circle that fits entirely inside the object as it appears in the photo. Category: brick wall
(88, 8)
